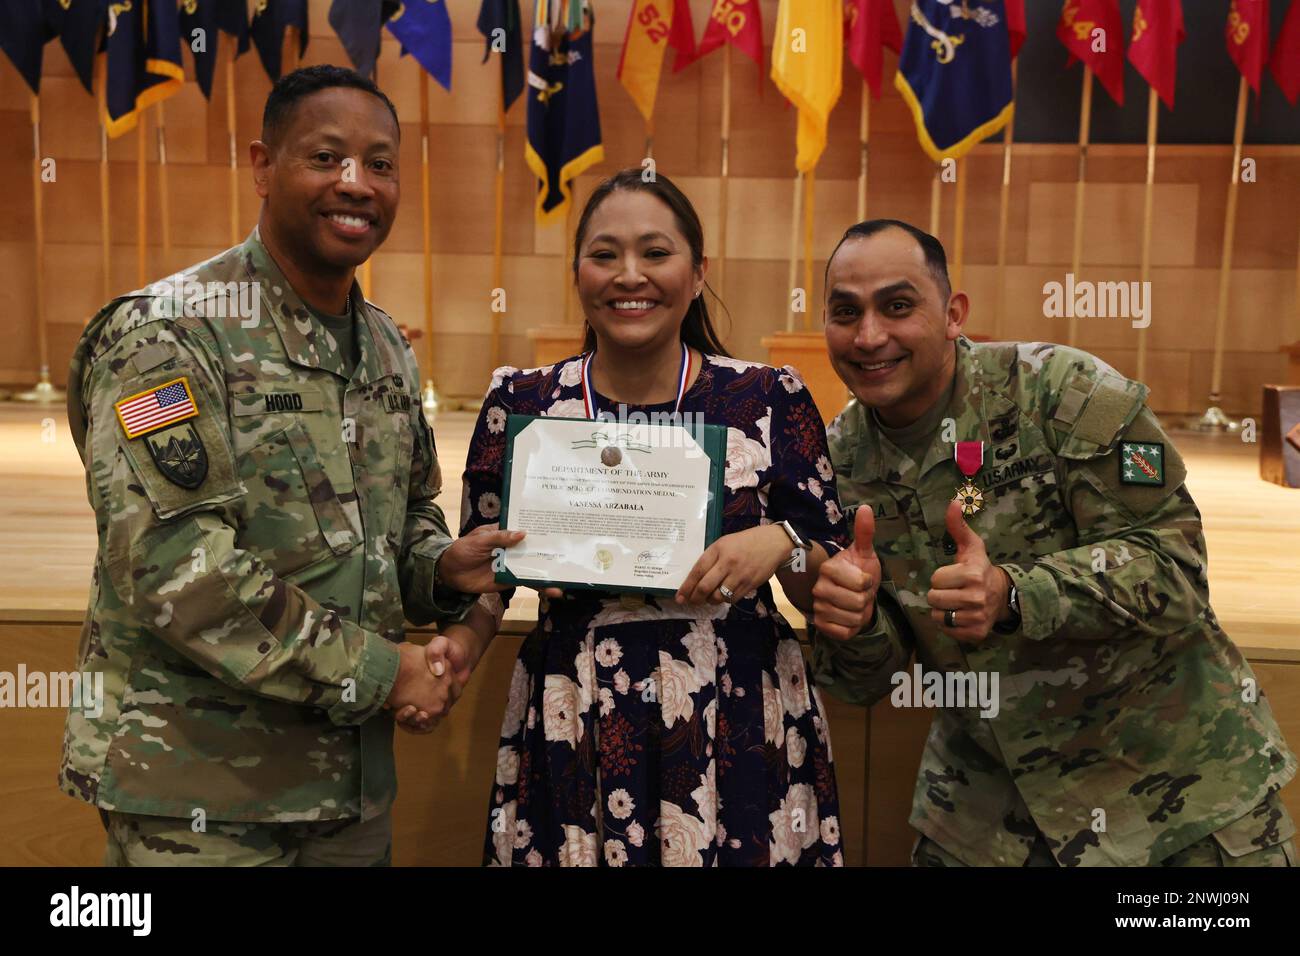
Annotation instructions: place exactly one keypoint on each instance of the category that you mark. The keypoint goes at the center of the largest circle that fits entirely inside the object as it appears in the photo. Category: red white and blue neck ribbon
(588, 399)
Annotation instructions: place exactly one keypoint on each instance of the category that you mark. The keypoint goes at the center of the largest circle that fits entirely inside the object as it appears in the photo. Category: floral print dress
(664, 734)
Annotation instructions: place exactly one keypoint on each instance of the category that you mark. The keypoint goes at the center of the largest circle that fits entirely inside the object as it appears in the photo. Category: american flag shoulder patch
(156, 408)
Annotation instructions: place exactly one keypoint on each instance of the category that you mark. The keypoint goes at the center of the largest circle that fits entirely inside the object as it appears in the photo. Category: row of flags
(954, 70)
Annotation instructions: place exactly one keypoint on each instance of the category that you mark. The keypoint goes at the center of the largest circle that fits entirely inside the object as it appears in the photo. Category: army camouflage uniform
(1119, 692)
(256, 560)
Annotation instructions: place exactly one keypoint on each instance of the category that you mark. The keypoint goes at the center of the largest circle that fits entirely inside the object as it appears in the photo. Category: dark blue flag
(267, 30)
(358, 24)
(213, 17)
(503, 15)
(76, 23)
(23, 34)
(143, 48)
(424, 29)
(563, 120)
(955, 74)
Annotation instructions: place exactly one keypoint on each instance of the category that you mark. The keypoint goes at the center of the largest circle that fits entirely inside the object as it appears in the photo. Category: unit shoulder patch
(1142, 463)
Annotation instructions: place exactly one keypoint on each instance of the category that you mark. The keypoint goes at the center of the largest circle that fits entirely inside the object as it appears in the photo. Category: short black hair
(292, 87)
(935, 258)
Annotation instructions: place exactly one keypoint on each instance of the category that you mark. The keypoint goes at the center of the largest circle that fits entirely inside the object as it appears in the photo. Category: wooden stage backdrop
(47, 546)
(1190, 197)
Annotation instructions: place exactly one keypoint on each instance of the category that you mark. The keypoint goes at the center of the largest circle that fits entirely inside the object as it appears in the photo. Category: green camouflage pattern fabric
(1122, 733)
(138, 840)
(246, 628)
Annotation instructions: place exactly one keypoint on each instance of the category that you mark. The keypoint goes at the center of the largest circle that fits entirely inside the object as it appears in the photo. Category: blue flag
(955, 74)
(563, 120)
(268, 26)
(143, 47)
(23, 34)
(503, 15)
(358, 24)
(424, 29)
(213, 17)
(76, 23)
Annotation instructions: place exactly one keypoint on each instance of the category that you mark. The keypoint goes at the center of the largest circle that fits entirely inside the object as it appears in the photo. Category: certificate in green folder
(619, 506)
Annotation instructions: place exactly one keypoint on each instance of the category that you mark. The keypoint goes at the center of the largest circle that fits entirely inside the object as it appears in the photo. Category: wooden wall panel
(1191, 194)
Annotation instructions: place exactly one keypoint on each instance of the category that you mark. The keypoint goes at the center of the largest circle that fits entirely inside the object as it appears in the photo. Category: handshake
(429, 681)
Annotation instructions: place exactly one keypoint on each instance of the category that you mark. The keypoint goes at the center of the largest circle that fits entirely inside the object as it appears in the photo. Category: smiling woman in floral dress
(674, 731)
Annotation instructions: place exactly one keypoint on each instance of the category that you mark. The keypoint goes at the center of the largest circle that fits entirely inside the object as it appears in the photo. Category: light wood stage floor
(47, 546)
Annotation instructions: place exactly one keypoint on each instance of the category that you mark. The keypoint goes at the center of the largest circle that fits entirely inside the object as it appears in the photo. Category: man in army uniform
(1023, 515)
(263, 483)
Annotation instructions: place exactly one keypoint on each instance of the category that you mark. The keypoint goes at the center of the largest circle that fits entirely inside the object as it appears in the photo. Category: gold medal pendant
(970, 497)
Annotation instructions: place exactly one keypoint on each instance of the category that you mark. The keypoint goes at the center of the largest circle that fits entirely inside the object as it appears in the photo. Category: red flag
(738, 22)
(1285, 63)
(1153, 50)
(682, 37)
(1016, 25)
(1093, 32)
(1247, 38)
(869, 27)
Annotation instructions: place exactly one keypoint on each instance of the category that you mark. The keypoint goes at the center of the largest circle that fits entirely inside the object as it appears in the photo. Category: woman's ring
(726, 592)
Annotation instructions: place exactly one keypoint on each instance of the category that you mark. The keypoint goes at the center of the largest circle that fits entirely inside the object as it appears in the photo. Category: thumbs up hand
(972, 587)
(844, 597)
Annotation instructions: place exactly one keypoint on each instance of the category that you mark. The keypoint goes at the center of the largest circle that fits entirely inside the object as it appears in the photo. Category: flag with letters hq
(424, 29)
(1093, 32)
(503, 15)
(143, 51)
(738, 22)
(1247, 38)
(1285, 62)
(76, 23)
(23, 34)
(652, 27)
(563, 118)
(869, 27)
(267, 30)
(955, 75)
(213, 17)
(1157, 31)
(807, 60)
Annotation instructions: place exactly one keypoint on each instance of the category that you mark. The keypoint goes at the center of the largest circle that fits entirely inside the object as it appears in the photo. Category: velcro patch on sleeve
(159, 407)
(1142, 463)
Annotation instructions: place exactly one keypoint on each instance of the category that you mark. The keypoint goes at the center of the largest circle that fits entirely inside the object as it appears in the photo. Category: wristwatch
(1012, 624)
(798, 542)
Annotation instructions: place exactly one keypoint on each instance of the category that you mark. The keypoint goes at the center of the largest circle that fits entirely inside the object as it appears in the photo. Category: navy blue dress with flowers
(664, 734)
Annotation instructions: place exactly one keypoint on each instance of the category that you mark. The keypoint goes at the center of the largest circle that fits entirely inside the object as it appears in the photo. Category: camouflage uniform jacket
(256, 560)
(1119, 692)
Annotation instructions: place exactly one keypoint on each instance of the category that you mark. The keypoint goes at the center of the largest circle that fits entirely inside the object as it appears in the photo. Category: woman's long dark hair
(697, 329)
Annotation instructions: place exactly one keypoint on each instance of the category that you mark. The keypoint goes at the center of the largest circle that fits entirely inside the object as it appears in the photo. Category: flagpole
(429, 398)
(809, 205)
(164, 204)
(864, 133)
(44, 392)
(141, 200)
(1004, 207)
(1076, 254)
(234, 149)
(959, 226)
(721, 258)
(934, 200)
(1214, 417)
(105, 226)
(498, 233)
(794, 252)
(365, 266)
(1148, 212)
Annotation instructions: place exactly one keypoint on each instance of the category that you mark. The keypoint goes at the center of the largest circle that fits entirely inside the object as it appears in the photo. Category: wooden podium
(1292, 352)
(806, 351)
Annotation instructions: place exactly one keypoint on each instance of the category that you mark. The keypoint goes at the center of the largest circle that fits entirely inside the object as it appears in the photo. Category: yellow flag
(807, 58)
(649, 34)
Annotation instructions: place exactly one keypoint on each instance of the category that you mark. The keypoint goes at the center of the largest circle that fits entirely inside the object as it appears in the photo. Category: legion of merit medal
(969, 456)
